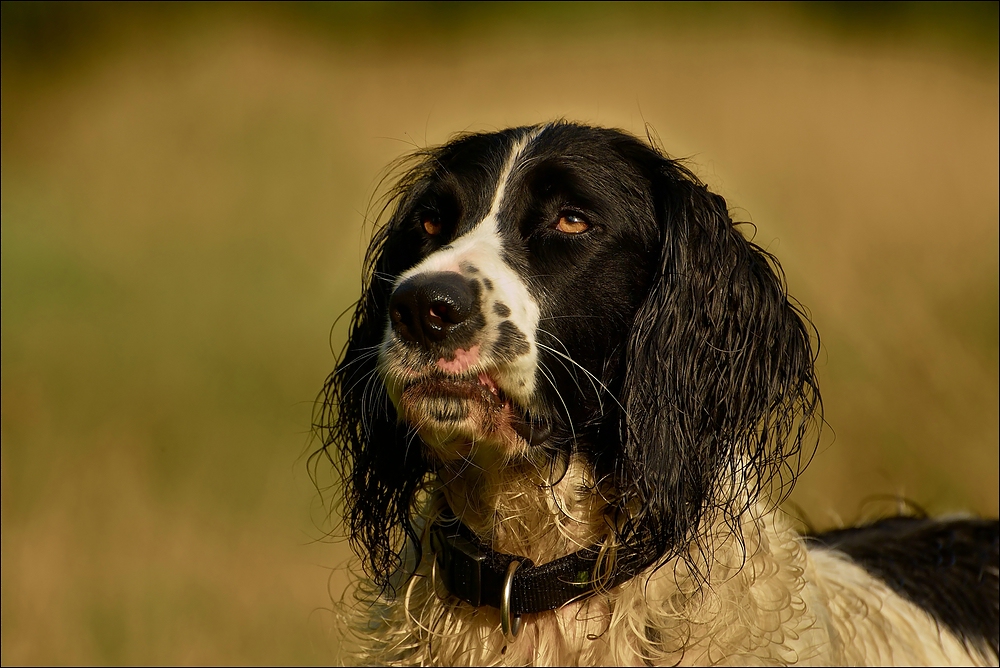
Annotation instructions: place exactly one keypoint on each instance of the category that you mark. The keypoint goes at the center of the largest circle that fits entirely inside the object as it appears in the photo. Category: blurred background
(184, 190)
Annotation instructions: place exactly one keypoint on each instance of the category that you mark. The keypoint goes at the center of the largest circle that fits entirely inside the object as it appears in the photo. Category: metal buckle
(510, 627)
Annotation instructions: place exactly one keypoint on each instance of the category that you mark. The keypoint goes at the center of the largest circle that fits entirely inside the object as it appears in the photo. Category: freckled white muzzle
(459, 356)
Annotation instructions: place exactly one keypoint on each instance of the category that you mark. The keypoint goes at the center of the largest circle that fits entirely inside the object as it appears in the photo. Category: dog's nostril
(428, 307)
(399, 314)
(401, 309)
(447, 313)
(439, 311)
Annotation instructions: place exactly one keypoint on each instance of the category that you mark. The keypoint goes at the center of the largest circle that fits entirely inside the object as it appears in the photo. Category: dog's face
(523, 257)
(567, 289)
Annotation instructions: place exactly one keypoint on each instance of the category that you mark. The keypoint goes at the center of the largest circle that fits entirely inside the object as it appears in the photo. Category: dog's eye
(571, 223)
(431, 225)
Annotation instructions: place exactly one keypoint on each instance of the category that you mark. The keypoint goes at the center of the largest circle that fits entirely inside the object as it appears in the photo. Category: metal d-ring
(510, 627)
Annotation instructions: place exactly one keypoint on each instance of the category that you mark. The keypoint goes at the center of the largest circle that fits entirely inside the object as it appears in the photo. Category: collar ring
(509, 624)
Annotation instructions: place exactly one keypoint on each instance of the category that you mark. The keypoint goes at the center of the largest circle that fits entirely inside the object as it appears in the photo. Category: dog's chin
(463, 417)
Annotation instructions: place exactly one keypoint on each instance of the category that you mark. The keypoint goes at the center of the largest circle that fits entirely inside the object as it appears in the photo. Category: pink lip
(485, 380)
(461, 362)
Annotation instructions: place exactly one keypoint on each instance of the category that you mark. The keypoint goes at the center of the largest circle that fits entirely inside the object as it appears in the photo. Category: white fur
(769, 600)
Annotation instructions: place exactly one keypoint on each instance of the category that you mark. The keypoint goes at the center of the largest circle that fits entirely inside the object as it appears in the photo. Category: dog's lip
(486, 381)
(484, 387)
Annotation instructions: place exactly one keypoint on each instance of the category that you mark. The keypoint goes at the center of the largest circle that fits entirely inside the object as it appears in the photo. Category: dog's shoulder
(949, 568)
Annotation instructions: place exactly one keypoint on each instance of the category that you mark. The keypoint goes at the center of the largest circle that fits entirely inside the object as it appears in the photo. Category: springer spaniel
(572, 397)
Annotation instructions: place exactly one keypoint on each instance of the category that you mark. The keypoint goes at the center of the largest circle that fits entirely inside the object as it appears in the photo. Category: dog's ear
(379, 459)
(719, 393)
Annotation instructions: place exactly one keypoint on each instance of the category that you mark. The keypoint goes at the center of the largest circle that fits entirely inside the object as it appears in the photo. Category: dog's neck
(755, 569)
(528, 508)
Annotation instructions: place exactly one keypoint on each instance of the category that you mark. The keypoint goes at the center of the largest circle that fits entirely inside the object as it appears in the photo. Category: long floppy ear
(719, 393)
(379, 459)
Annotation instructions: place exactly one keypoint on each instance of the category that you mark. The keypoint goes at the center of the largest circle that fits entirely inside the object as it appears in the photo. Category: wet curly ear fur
(719, 392)
(379, 458)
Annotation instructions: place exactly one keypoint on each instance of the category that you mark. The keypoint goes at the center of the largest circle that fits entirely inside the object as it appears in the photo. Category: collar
(479, 575)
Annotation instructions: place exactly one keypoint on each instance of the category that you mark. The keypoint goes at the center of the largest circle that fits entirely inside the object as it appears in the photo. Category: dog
(572, 397)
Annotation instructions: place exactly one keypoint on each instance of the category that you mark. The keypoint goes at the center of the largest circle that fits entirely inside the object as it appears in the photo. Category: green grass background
(183, 200)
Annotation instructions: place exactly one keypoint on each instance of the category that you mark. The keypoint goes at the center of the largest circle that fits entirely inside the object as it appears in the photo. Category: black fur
(671, 355)
(951, 569)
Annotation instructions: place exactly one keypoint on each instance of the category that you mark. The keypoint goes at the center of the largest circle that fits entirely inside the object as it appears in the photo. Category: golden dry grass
(182, 223)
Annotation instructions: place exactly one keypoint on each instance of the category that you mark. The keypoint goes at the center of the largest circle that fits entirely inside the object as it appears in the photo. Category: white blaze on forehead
(482, 248)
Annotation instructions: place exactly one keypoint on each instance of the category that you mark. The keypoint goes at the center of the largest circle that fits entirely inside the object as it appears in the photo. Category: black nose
(427, 308)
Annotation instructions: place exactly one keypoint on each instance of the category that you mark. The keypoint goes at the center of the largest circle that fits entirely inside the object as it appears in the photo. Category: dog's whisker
(575, 316)
(571, 371)
(552, 383)
(595, 382)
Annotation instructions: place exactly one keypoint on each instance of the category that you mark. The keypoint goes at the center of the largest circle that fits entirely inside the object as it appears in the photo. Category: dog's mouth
(449, 390)
(446, 408)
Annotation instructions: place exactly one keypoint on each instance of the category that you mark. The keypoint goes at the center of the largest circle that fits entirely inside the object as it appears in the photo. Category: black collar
(475, 573)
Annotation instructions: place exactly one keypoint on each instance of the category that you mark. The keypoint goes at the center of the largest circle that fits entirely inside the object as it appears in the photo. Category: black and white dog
(572, 396)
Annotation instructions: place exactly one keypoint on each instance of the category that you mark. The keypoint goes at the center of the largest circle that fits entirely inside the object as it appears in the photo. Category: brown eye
(431, 226)
(571, 223)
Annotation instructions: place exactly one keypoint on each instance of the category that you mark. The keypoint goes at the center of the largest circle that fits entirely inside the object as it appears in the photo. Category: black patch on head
(488, 283)
(501, 309)
(511, 342)
(948, 568)
(469, 268)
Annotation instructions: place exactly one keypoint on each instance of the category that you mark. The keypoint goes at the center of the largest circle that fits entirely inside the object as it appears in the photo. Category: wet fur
(680, 391)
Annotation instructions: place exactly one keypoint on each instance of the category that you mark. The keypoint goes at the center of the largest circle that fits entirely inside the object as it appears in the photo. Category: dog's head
(567, 289)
